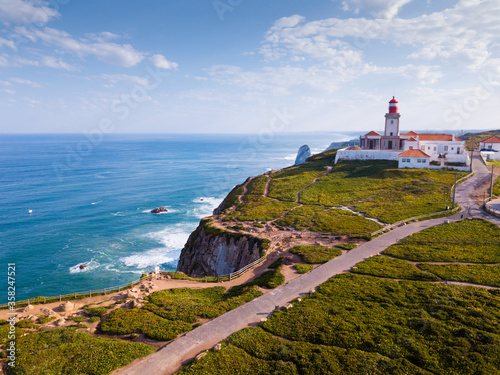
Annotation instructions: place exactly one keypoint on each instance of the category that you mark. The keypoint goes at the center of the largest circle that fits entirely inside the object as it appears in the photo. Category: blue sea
(68, 200)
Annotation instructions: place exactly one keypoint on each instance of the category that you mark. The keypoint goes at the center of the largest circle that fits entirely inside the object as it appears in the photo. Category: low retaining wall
(366, 155)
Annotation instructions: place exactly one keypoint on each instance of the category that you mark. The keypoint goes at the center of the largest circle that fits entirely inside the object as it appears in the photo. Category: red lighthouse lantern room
(393, 105)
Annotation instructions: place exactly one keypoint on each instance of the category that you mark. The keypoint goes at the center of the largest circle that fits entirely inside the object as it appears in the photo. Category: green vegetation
(232, 198)
(472, 139)
(319, 219)
(287, 183)
(260, 208)
(256, 186)
(496, 187)
(276, 263)
(441, 329)
(346, 246)
(303, 268)
(45, 319)
(125, 321)
(382, 266)
(441, 251)
(171, 312)
(315, 254)
(483, 274)
(67, 351)
(95, 311)
(94, 319)
(367, 187)
(76, 319)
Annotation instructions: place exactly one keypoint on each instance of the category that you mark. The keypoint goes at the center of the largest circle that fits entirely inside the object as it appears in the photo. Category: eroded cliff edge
(211, 251)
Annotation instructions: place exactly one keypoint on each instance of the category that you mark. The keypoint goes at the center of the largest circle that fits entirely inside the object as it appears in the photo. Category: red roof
(412, 139)
(438, 137)
(393, 100)
(494, 139)
(372, 133)
(412, 133)
(415, 154)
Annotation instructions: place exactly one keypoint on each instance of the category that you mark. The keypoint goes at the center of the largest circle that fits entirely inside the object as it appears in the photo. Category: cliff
(211, 251)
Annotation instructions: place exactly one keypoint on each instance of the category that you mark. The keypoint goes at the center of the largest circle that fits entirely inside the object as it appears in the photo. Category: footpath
(171, 358)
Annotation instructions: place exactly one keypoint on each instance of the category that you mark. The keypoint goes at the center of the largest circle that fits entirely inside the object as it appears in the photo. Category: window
(419, 161)
(391, 133)
(422, 148)
(435, 148)
(411, 147)
(452, 149)
(392, 122)
(446, 148)
(428, 148)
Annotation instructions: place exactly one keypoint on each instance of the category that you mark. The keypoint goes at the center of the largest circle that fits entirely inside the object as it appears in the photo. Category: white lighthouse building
(412, 150)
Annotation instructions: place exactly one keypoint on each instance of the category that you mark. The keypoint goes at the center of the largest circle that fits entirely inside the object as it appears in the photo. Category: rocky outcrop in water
(159, 210)
(210, 251)
(303, 154)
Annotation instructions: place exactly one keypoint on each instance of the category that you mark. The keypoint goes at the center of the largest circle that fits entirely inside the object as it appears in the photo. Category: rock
(263, 320)
(200, 356)
(28, 308)
(303, 154)
(217, 347)
(48, 312)
(211, 255)
(288, 306)
(68, 306)
(83, 266)
(159, 210)
(59, 322)
(136, 304)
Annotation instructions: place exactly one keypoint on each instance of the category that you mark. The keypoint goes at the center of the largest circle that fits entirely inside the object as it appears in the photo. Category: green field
(171, 312)
(316, 254)
(392, 268)
(66, 351)
(483, 274)
(356, 324)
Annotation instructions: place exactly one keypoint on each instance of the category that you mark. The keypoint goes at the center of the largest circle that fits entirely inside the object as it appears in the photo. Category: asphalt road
(170, 359)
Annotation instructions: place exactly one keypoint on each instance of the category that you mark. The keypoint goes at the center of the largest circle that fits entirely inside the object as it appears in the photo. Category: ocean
(68, 200)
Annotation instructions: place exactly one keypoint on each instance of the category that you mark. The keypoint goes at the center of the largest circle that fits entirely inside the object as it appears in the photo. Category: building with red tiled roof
(490, 144)
(414, 159)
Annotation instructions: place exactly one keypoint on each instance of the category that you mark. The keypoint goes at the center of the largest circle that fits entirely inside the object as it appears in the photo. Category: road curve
(169, 359)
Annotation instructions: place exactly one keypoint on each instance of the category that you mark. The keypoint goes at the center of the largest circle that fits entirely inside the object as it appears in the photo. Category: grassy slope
(472, 139)
(364, 186)
(355, 324)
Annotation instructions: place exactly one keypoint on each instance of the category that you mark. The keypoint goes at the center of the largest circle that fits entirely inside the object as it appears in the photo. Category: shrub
(276, 263)
(95, 311)
(67, 351)
(76, 319)
(315, 254)
(94, 319)
(303, 268)
(45, 319)
(346, 246)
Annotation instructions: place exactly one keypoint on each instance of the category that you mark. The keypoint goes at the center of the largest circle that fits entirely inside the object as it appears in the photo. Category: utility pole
(491, 182)
(454, 190)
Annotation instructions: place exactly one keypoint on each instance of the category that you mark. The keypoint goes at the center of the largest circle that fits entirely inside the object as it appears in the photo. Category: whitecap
(172, 237)
(92, 265)
(94, 203)
(206, 206)
(146, 259)
(119, 213)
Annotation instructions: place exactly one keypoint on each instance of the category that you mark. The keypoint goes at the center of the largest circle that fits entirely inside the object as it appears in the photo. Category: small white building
(490, 144)
(414, 159)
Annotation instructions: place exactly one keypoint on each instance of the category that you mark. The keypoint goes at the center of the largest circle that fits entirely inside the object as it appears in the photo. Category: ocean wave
(206, 206)
(146, 259)
(92, 265)
(94, 203)
(172, 237)
(119, 213)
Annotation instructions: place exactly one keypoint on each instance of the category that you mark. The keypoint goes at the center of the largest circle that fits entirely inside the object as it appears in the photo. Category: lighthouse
(392, 120)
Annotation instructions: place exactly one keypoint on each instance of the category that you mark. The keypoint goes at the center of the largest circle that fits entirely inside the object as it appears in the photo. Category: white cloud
(45, 61)
(7, 43)
(135, 80)
(27, 82)
(377, 8)
(465, 35)
(26, 12)
(8, 91)
(112, 53)
(423, 73)
(161, 62)
(56, 63)
(104, 36)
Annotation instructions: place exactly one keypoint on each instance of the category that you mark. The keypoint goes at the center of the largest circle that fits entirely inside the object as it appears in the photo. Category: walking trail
(171, 358)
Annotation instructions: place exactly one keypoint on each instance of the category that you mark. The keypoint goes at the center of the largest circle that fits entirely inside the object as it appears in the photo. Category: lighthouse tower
(392, 119)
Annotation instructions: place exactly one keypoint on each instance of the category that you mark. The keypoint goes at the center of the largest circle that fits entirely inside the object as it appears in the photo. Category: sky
(247, 66)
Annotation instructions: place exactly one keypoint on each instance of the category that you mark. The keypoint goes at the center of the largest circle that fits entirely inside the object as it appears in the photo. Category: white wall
(413, 162)
(490, 155)
(366, 155)
(494, 146)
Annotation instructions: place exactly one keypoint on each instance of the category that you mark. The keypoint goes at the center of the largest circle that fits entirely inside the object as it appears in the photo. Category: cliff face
(213, 252)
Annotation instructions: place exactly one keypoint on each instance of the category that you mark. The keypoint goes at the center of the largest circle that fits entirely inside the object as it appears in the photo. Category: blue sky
(229, 66)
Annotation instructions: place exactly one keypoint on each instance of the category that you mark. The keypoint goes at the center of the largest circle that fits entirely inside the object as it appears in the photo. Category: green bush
(315, 254)
(76, 319)
(276, 263)
(346, 246)
(94, 319)
(26, 323)
(95, 311)
(45, 319)
(383, 266)
(67, 351)
(483, 274)
(303, 268)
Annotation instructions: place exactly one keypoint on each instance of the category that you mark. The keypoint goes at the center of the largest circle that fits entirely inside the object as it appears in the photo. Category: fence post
(60, 298)
(90, 293)
(75, 295)
(44, 300)
(104, 291)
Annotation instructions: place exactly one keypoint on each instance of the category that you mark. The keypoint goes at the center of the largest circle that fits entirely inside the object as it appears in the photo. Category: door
(390, 145)
(371, 144)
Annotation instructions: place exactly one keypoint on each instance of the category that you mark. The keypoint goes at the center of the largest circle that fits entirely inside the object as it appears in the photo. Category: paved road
(169, 359)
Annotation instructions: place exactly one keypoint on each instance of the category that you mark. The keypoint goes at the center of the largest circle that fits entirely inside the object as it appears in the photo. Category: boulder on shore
(159, 210)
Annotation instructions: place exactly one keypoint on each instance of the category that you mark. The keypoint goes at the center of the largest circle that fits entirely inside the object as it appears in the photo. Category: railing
(105, 291)
(75, 295)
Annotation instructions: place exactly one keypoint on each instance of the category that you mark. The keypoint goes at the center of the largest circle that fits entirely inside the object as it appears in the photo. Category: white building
(442, 150)
(490, 144)
(414, 159)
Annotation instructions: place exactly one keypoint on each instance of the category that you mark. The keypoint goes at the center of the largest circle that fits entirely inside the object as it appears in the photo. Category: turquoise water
(90, 203)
